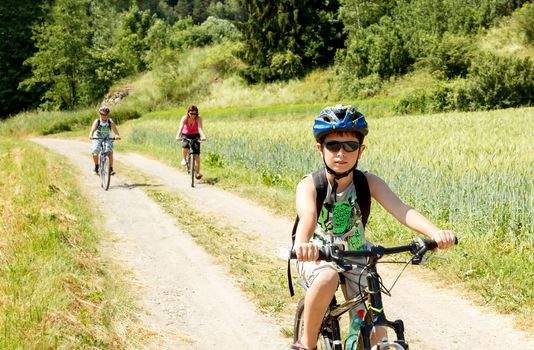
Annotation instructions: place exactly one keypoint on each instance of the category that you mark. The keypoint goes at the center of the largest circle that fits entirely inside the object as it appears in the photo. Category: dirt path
(167, 264)
(190, 300)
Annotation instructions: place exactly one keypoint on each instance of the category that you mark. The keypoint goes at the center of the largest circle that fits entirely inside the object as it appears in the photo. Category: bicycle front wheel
(192, 168)
(105, 172)
(324, 341)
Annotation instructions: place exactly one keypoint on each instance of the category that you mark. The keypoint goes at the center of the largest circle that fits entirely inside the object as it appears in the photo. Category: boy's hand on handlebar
(179, 139)
(444, 238)
(203, 139)
(307, 252)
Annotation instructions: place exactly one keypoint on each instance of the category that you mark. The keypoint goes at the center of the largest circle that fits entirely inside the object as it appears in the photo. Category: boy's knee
(327, 279)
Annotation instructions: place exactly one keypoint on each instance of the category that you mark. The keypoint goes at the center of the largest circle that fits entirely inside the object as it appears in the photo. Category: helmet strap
(338, 176)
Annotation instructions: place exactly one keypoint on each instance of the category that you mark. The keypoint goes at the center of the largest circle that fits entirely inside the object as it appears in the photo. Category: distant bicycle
(190, 158)
(104, 165)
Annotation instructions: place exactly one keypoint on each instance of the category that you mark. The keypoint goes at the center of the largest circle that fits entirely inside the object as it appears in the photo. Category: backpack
(363, 198)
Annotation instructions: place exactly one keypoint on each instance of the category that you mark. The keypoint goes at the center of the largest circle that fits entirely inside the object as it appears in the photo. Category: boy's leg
(318, 297)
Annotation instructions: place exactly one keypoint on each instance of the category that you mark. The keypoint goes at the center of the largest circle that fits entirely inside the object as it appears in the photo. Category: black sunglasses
(335, 146)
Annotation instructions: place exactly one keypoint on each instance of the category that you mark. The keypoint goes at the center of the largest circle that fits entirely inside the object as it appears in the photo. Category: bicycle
(371, 297)
(104, 164)
(190, 158)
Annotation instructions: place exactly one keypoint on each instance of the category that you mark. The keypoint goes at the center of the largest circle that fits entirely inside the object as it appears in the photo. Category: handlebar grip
(431, 244)
(323, 255)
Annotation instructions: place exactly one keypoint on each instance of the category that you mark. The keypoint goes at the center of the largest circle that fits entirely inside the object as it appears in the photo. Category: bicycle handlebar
(105, 138)
(418, 248)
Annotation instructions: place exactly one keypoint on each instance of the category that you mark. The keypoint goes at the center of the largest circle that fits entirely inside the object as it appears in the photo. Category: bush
(525, 17)
(185, 35)
(378, 49)
(501, 82)
(493, 82)
(449, 57)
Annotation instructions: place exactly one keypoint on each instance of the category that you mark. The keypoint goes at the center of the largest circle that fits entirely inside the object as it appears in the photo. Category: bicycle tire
(101, 171)
(187, 164)
(298, 328)
(106, 170)
(192, 161)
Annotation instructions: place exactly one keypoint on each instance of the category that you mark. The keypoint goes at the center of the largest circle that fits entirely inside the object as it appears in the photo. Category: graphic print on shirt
(103, 129)
(343, 223)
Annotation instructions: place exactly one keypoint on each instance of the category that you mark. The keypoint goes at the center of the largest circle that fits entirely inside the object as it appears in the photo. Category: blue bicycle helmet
(339, 118)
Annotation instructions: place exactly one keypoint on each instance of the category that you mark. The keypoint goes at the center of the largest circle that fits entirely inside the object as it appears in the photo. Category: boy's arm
(201, 129)
(307, 212)
(179, 133)
(407, 215)
(93, 128)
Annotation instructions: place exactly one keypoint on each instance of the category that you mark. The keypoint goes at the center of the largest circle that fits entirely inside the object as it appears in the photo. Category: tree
(16, 20)
(64, 43)
(284, 39)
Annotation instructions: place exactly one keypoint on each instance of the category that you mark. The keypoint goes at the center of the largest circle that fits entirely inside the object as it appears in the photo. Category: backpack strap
(321, 187)
(363, 194)
(320, 181)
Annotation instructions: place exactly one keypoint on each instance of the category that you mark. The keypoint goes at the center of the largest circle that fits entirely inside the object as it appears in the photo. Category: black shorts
(188, 141)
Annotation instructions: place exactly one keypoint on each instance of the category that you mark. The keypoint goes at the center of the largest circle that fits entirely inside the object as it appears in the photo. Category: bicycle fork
(379, 318)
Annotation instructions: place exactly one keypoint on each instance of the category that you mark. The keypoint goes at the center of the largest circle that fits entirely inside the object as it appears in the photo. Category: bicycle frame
(105, 176)
(372, 297)
(374, 306)
(190, 159)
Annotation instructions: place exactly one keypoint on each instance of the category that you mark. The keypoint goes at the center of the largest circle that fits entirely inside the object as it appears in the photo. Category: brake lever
(425, 259)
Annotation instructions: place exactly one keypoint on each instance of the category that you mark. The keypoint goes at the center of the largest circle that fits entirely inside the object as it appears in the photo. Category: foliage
(130, 44)
(16, 20)
(526, 22)
(493, 82)
(64, 49)
(378, 49)
(501, 82)
(387, 37)
(187, 75)
(185, 35)
(285, 39)
(449, 57)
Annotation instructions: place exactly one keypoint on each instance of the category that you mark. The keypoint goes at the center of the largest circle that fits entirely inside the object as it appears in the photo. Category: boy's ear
(319, 147)
(362, 149)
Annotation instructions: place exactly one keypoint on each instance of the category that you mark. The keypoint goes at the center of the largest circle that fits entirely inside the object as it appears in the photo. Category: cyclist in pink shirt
(190, 130)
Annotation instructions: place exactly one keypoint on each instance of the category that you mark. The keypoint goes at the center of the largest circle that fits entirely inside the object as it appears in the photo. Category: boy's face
(341, 151)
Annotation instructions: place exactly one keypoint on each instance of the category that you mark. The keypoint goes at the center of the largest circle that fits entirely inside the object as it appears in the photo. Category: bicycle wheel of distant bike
(192, 168)
(105, 172)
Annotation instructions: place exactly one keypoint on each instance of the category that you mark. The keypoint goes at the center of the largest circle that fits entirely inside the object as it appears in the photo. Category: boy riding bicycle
(101, 129)
(190, 132)
(339, 132)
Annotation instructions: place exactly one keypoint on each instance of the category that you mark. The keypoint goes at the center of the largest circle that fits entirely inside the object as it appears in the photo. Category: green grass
(56, 291)
(471, 172)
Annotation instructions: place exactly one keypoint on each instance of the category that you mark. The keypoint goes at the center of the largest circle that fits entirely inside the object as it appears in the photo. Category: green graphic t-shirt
(340, 223)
